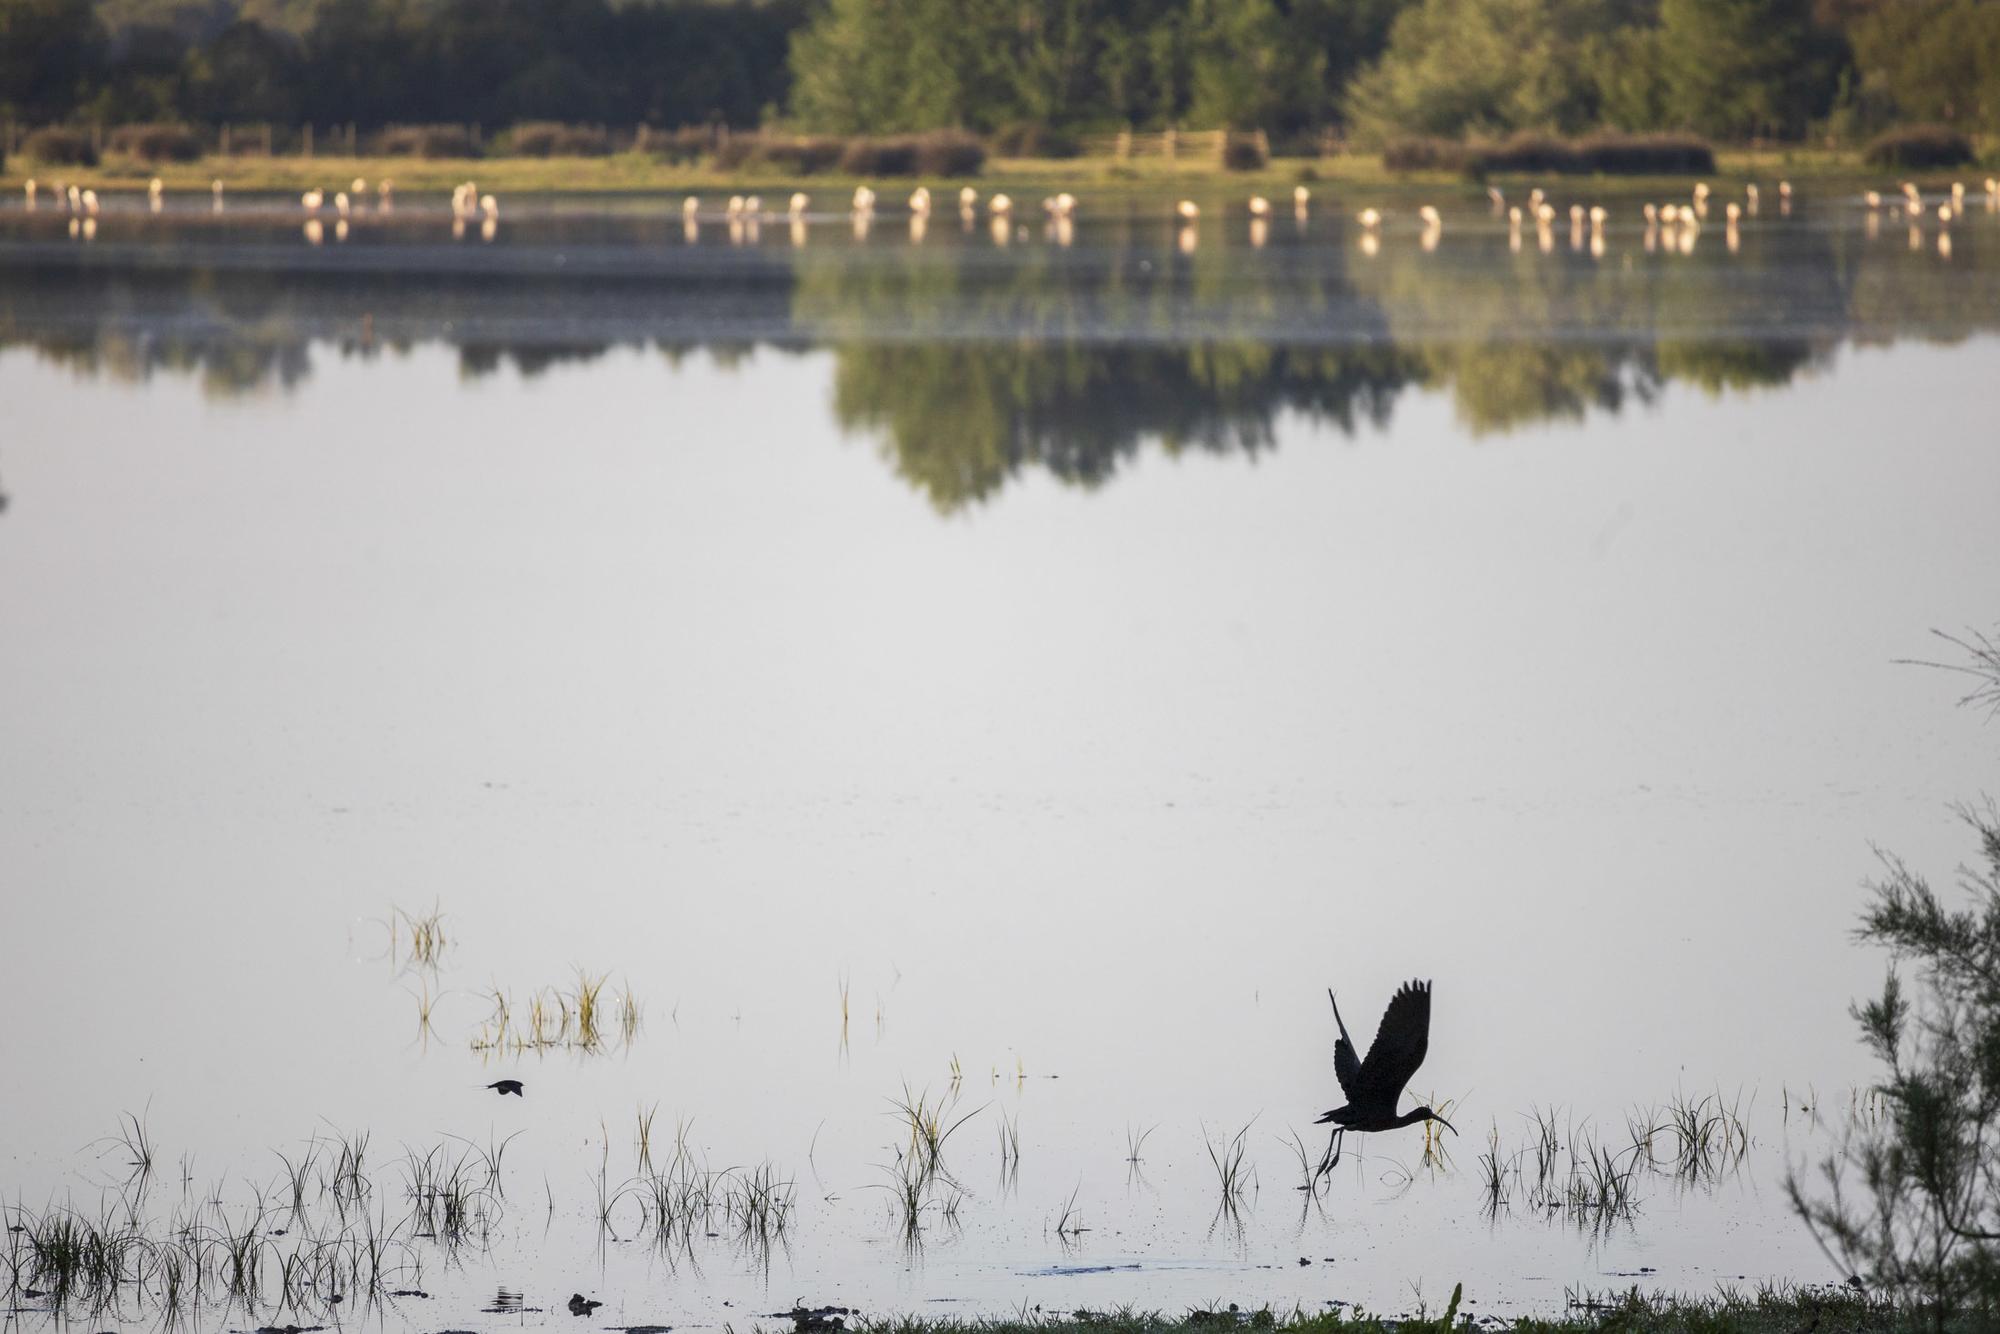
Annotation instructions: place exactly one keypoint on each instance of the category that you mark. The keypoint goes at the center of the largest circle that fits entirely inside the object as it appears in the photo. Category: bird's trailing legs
(1332, 1158)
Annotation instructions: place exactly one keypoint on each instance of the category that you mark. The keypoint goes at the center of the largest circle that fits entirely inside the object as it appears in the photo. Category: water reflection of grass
(1576, 1172)
(582, 1017)
(339, 1223)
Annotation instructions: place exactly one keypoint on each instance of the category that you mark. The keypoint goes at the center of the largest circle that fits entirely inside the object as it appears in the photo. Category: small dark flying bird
(1374, 1086)
(505, 1086)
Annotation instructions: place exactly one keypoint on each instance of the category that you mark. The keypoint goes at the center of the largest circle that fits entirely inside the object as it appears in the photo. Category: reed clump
(585, 1015)
(1229, 1155)
(120, 1263)
(417, 939)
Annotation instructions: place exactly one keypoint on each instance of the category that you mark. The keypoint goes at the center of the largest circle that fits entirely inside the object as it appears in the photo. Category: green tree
(248, 73)
(50, 50)
(1484, 66)
(1250, 69)
(1736, 68)
(1053, 66)
(142, 75)
(1933, 59)
(1928, 1230)
(869, 66)
(1632, 91)
(1348, 36)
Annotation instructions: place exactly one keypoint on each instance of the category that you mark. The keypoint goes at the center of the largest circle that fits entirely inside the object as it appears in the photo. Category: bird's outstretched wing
(1346, 1061)
(1398, 1049)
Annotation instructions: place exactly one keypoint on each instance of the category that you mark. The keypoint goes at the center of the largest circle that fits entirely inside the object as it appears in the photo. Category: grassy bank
(1791, 1311)
(1101, 177)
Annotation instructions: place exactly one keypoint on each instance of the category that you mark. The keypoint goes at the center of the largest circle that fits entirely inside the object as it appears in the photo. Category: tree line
(1372, 69)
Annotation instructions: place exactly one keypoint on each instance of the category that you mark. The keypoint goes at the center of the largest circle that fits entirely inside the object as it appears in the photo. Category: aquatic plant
(1228, 1155)
(930, 1124)
(424, 934)
(1311, 1180)
(132, 1137)
(1494, 1171)
(1706, 1136)
(1069, 1223)
(581, 1017)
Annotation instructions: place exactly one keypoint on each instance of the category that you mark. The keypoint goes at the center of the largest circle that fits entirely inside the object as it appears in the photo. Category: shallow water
(1084, 654)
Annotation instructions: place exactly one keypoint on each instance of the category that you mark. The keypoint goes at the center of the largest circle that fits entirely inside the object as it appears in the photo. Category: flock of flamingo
(1675, 225)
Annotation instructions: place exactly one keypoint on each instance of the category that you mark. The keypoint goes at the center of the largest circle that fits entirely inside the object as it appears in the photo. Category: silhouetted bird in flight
(1374, 1086)
(505, 1086)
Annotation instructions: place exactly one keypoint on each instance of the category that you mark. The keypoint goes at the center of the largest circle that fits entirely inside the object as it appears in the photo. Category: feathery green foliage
(1924, 1228)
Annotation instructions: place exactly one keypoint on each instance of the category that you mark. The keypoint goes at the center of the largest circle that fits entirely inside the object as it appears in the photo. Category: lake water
(1025, 668)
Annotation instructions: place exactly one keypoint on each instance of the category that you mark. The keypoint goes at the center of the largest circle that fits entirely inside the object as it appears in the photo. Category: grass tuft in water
(1229, 1154)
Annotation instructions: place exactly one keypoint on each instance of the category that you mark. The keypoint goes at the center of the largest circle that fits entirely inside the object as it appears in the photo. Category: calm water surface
(1056, 661)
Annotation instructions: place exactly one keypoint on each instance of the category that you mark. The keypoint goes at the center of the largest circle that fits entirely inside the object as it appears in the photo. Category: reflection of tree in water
(479, 359)
(972, 364)
(241, 338)
(1076, 359)
(529, 360)
(1515, 338)
(959, 420)
(1523, 337)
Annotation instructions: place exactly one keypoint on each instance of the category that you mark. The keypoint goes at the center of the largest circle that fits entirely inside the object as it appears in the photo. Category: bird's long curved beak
(1446, 1124)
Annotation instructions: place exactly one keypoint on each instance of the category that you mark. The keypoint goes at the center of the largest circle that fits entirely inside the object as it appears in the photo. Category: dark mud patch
(815, 1319)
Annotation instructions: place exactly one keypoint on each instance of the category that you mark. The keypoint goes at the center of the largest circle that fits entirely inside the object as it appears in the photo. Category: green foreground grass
(1102, 177)
(1787, 1311)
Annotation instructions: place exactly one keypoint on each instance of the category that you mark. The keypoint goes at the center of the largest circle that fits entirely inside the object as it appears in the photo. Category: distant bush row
(941, 153)
(59, 147)
(1605, 154)
(952, 153)
(1919, 146)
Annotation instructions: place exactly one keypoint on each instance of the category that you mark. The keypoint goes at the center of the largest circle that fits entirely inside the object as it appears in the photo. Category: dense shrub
(57, 146)
(1647, 155)
(1919, 146)
(894, 156)
(1525, 153)
(690, 143)
(1536, 154)
(1244, 152)
(157, 143)
(550, 138)
(425, 141)
(1424, 154)
(1027, 138)
(940, 153)
(794, 156)
(949, 153)
(1906, 1197)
